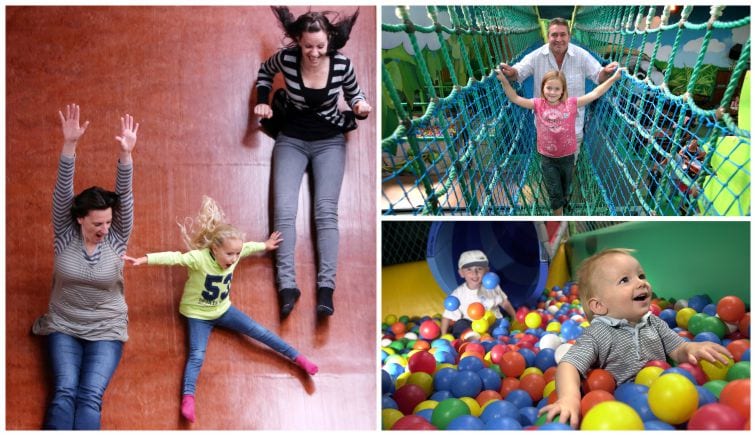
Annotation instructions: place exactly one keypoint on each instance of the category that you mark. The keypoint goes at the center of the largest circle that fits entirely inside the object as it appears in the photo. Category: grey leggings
(290, 159)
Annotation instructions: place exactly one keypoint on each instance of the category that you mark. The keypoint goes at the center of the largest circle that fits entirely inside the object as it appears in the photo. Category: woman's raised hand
(69, 122)
(128, 137)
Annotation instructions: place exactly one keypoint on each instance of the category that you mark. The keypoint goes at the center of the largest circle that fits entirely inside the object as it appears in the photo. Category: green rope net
(454, 145)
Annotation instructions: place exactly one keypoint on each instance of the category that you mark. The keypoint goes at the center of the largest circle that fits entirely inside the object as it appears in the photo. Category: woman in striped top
(313, 133)
(87, 315)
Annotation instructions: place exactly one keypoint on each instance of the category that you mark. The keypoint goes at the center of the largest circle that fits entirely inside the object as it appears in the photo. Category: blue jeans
(290, 159)
(81, 370)
(235, 320)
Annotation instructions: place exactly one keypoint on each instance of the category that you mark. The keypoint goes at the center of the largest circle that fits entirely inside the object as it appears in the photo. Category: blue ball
(441, 396)
(555, 426)
(490, 280)
(677, 370)
(520, 398)
(707, 337)
(698, 302)
(388, 403)
(443, 356)
(710, 309)
(387, 383)
(490, 378)
(426, 414)
(640, 404)
(669, 316)
(394, 369)
(545, 359)
(470, 363)
(465, 422)
(451, 302)
(746, 356)
(499, 409)
(657, 425)
(466, 384)
(529, 356)
(705, 396)
(444, 378)
(626, 391)
(528, 416)
(503, 424)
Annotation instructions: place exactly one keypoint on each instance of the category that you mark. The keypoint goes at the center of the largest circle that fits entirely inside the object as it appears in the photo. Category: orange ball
(484, 397)
(731, 308)
(508, 385)
(512, 364)
(553, 397)
(737, 394)
(421, 345)
(744, 325)
(738, 347)
(533, 384)
(476, 311)
(398, 328)
(592, 398)
(600, 379)
(550, 374)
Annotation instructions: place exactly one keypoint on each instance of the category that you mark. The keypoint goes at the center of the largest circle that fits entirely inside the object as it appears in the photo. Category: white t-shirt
(489, 298)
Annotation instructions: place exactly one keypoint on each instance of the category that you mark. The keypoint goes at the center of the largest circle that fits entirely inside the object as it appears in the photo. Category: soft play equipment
(515, 252)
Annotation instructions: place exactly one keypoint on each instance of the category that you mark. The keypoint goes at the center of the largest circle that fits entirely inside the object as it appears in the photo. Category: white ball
(410, 336)
(549, 340)
(561, 351)
(681, 304)
(386, 342)
(552, 309)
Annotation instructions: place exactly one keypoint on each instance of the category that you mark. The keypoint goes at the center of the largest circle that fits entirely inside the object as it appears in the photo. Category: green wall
(681, 258)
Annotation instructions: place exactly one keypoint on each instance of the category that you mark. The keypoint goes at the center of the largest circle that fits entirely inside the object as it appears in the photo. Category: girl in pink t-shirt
(555, 115)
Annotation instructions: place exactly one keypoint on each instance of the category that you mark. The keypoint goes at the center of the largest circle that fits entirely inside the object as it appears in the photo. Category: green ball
(696, 323)
(404, 319)
(447, 410)
(542, 420)
(740, 370)
(398, 346)
(715, 387)
(714, 325)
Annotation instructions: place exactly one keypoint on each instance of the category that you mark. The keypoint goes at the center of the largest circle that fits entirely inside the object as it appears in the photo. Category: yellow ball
(673, 398)
(480, 325)
(533, 320)
(448, 336)
(398, 359)
(531, 370)
(549, 388)
(401, 380)
(427, 404)
(683, 315)
(473, 405)
(585, 324)
(648, 375)
(389, 418)
(554, 327)
(388, 350)
(611, 415)
(490, 317)
(716, 370)
(390, 319)
(422, 379)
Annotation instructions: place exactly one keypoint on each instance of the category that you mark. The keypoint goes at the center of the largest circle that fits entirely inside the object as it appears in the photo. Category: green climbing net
(455, 145)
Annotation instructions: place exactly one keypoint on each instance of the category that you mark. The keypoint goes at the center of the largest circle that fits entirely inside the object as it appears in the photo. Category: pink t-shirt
(555, 127)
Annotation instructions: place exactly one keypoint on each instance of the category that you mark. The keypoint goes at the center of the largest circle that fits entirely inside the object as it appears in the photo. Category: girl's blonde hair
(554, 74)
(212, 228)
(587, 271)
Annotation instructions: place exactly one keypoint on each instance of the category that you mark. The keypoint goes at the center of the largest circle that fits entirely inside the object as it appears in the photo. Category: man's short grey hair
(559, 21)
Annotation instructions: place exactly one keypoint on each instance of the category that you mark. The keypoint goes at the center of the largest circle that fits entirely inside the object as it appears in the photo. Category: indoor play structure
(498, 377)
(671, 137)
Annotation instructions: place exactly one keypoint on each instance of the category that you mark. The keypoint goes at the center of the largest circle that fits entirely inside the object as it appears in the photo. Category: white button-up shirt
(577, 66)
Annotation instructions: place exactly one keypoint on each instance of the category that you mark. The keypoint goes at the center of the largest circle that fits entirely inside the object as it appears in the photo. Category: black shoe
(325, 301)
(286, 299)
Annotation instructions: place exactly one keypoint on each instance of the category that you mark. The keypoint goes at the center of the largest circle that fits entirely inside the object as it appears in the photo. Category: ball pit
(500, 373)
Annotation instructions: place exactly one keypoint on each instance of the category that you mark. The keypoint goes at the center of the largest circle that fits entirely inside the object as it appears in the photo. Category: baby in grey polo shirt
(623, 335)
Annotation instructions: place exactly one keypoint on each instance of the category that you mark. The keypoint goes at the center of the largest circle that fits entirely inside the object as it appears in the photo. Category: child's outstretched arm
(273, 241)
(527, 103)
(692, 352)
(599, 90)
(507, 306)
(568, 389)
(136, 261)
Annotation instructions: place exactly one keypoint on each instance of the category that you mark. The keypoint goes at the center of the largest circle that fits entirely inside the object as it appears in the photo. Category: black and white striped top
(88, 296)
(341, 76)
(622, 349)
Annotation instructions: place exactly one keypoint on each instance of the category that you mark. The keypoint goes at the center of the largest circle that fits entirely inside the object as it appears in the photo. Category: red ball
(738, 347)
(533, 384)
(412, 422)
(520, 314)
(737, 394)
(744, 325)
(550, 374)
(600, 379)
(592, 398)
(429, 330)
(408, 397)
(398, 328)
(508, 385)
(660, 363)
(512, 364)
(716, 416)
(656, 310)
(476, 311)
(422, 361)
(696, 372)
(496, 352)
(731, 308)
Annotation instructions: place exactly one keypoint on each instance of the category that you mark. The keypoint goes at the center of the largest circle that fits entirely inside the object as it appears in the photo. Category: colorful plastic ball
(715, 387)
(549, 387)
(441, 396)
(473, 405)
(695, 324)
(503, 423)
(549, 340)
(545, 359)
(447, 410)
(529, 356)
(398, 328)
(669, 316)
(422, 361)
(698, 302)
(715, 325)
(533, 320)
(600, 379)
(466, 384)
(731, 308)
(657, 425)
(519, 398)
(508, 384)
(625, 391)
(640, 405)
(389, 417)
(427, 404)
(390, 319)
(705, 397)
(593, 398)
(737, 394)
(388, 403)
(554, 426)
(554, 327)
(696, 371)
(422, 379)
(475, 311)
(499, 409)
(738, 347)
(488, 396)
(707, 337)
(429, 330)
(680, 371)
(409, 396)
(387, 383)
(611, 415)
(480, 325)
(451, 303)
(716, 417)
(673, 398)
(710, 309)
(683, 316)
(660, 363)
(512, 364)
(716, 370)
(490, 378)
(470, 363)
(744, 325)
(490, 280)
(746, 356)
(465, 422)
(533, 384)
(412, 422)
(738, 371)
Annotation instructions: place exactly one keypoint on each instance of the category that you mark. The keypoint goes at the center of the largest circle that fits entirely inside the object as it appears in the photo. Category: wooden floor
(187, 75)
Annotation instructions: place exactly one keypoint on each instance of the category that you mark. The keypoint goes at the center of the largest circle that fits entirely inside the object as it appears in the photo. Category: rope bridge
(455, 145)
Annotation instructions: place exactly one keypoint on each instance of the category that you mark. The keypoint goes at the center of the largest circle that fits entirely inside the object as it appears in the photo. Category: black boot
(325, 301)
(286, 300)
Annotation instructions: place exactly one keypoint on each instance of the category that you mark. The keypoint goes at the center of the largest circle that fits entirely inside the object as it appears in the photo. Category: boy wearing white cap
(473, 265)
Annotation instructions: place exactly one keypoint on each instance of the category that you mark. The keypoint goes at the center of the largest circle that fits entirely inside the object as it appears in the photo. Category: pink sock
(305, 364)
(187, 407)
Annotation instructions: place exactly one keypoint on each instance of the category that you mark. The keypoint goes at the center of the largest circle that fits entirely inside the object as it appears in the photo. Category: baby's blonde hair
(587, 271)
(212, 228)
